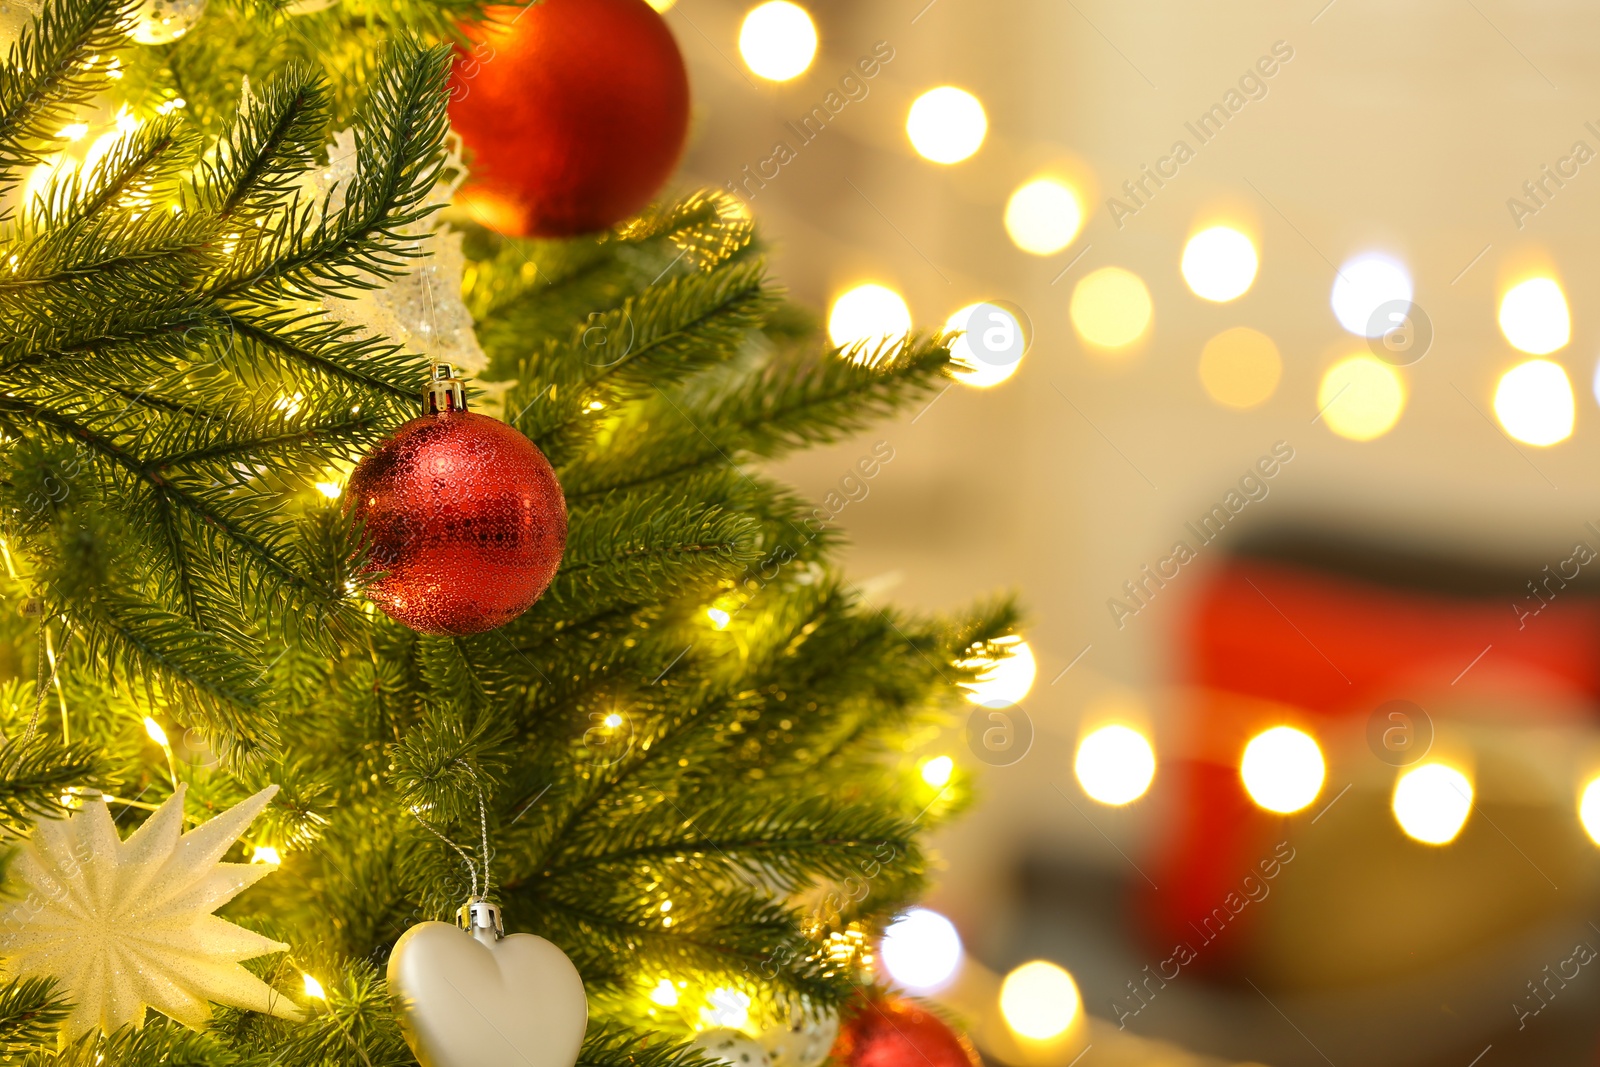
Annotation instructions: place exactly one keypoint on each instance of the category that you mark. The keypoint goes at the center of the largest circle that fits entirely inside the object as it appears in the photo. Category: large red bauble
(464, 518)
(896, 1032)
(574, 112)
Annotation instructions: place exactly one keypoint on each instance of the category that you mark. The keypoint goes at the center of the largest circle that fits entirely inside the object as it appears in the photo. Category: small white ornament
(122, 925)
(732, 1047)
(483, 999)
(164, 21)
(802, 1042)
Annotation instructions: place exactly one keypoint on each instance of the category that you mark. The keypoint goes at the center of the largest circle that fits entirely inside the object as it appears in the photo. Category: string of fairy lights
(1282, 769)
(1360, 396)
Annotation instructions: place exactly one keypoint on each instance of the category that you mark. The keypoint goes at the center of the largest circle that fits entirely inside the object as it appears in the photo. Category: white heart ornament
(485, 1000)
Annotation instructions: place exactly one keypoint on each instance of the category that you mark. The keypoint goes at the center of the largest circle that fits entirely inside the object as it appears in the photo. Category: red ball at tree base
(464, 518)
(574, 113)
(896, 1032)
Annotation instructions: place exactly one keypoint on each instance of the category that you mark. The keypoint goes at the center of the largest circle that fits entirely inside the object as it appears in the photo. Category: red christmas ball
(465, 520)
(574, 111)
(896, 1032)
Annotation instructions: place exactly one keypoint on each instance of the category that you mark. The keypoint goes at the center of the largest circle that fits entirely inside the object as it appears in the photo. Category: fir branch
(611, 1045)
(142, 645)
(30, 1011)
(258, 160)
(763, 408)
(398, 155)
(51, 70)
(643, 547)
(781, 842)
(33, 776)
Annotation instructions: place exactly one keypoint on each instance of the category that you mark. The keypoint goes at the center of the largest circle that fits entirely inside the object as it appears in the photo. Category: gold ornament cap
(444, 393)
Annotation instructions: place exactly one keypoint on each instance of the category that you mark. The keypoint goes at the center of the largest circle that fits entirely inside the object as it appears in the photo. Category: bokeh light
(1589, 809)
(1431, 803)
(665, 994)
(921, 949)
(1039, 1000)
(1240, 368)
(1219, 264)
(1009, 679)
(154, 731)
(1363, 285)
(778, 40)
(1115, 764)
(1361, 397)
(266, 854)
(1534, 402)
(726, 1007)
(1111, 308)
(1282, 769)
(936, 772)
(313, 987)
(1534, 316)
(662, 6)
(1043, 216)
(719, 618)
(993, 340)
(868, 313)
(946, 125)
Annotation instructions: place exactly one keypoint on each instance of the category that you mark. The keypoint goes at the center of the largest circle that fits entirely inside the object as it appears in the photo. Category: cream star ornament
(123, 925)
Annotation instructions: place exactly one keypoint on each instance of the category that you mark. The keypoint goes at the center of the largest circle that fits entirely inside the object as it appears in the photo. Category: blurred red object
(1321, 636)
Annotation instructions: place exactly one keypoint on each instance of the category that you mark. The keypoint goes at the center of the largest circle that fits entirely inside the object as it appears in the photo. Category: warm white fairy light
(1534, 316)
(946, 125)
(1039, 1000)
(1008, 676)
(1219, 263)
(1431, 803)
(313, 987)
(921, 950)
(1115, 764)
(1282, 769)
(1534, 403)
(936, 772)
(778, 40)
(868, 314)
(155, 732)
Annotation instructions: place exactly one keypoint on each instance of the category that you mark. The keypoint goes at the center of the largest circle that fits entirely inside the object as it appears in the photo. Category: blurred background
(1283, 424)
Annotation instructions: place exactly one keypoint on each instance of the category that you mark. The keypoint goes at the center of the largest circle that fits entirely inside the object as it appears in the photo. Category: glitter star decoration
(125, 925)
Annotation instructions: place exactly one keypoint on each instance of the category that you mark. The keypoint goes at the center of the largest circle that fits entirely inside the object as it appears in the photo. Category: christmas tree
(229, 267)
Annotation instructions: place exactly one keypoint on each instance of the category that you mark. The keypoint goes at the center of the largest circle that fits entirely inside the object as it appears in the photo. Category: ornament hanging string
(42, 684)
(483, 824)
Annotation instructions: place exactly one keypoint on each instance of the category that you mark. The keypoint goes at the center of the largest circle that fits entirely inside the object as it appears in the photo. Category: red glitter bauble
(896, 1032)
(464, 518)
(574, 112)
